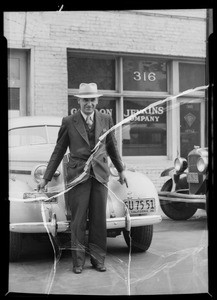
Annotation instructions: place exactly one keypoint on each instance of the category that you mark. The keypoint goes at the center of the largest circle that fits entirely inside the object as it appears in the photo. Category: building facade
(135, 57)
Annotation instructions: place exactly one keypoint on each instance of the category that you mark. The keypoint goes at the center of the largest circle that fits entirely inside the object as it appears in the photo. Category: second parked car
(186, 189)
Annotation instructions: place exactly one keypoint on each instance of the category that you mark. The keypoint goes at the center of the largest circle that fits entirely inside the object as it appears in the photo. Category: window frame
(173, 111)
(196, 97)
(196, 62)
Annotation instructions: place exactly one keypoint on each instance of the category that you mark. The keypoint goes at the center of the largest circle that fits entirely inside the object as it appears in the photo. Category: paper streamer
(126, 120)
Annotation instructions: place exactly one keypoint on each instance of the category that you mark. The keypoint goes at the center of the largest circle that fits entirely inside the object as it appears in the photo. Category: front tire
(15, 249)
(177, 211)
(139, 238)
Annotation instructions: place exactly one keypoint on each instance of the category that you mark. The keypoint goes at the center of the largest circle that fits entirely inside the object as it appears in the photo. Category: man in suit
(80, 132)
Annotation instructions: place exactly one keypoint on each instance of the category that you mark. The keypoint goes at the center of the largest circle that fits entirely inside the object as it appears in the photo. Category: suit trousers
(88, 200)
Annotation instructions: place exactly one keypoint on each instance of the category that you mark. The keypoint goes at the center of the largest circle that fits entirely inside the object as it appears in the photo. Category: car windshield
(34, 135)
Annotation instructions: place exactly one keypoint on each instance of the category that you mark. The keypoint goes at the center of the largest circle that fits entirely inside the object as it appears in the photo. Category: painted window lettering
(146, 76)
(147, 116)
(102, 110)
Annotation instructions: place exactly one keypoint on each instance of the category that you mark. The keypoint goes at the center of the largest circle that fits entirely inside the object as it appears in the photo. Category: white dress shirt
(85, 116)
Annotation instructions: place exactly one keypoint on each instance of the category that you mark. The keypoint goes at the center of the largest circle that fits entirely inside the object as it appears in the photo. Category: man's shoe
(77, 270)
(99, 267)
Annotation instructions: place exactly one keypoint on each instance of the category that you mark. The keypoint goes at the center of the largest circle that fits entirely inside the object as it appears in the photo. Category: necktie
(89, 122)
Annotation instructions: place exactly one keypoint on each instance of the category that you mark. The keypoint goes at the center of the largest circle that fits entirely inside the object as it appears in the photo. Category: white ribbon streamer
(81, 178)
(126, 120)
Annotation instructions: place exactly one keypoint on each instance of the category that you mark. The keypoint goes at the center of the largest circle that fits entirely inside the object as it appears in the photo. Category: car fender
(139, 186)
(19, 210)
(17, 187)
(179, 179)
(168, 172)
(28, 211)
(181, 183)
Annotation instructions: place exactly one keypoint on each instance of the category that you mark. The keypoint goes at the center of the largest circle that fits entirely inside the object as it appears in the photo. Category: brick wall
(49, 34)
(50, 81)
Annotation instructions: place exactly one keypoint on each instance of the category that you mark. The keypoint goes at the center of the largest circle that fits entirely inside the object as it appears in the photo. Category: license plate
(140, 206)
(192, 178)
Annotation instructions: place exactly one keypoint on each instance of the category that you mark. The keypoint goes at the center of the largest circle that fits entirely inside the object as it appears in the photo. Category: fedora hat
(88, 90)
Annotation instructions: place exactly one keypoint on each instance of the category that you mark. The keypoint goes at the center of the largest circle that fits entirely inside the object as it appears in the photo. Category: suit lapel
(79, 125)
(98, 125)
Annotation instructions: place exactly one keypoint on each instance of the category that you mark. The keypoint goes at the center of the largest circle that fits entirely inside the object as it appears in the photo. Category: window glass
(14, 98)
(14, 68)
(189, 127)
(27, 136)
(52, 133)
(144, 75)
(146, 133)
(191, 76)
(98, 70)
(105, 105)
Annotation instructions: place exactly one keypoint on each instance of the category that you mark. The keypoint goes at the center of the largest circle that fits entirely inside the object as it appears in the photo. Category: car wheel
(16, 241)
(176, 210)
(139, 238)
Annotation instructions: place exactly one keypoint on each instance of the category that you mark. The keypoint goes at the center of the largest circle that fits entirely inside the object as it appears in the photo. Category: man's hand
(122, 178)
(42, 184)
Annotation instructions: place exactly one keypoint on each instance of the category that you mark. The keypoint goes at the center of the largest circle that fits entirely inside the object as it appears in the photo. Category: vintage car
(131, 211)
(186, 190)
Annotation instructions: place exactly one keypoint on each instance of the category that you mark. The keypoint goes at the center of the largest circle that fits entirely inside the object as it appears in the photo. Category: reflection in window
(191, 76)
(146, 133)
(190, 123)
(84, 69)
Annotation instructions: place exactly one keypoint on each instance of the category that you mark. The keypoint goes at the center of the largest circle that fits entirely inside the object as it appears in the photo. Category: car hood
(39, 153)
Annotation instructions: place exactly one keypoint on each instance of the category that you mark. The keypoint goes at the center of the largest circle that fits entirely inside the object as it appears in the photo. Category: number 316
(144, 76)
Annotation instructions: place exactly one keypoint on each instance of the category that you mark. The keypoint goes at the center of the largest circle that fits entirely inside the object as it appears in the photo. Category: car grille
(192, 162)
(20, 172)
(192, 167)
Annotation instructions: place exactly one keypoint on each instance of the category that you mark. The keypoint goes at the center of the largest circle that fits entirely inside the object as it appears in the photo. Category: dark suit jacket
(73, 134)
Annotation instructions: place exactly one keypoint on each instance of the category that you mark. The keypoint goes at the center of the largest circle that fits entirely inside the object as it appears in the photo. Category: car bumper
(39, 227)
(178, 197)
(133, 221)
(61, 226)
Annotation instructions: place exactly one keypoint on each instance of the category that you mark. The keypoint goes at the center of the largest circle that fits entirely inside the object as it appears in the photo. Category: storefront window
(106, 106)
(85, 69)
(144, 75)
(146, 133)
(191, 76)
(14, 99)
(189, 127)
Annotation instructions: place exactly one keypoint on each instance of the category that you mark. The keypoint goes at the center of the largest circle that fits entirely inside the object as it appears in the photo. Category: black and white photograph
(109, 120)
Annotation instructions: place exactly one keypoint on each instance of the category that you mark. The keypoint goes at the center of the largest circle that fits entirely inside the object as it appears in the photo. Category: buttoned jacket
(73, 134)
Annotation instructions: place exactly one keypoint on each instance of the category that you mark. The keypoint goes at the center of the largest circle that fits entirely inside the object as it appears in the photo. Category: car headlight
(38, 172)
(180, 164)
(202, 164)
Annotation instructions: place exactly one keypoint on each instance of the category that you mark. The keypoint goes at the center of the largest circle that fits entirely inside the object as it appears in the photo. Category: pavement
(175, 263)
